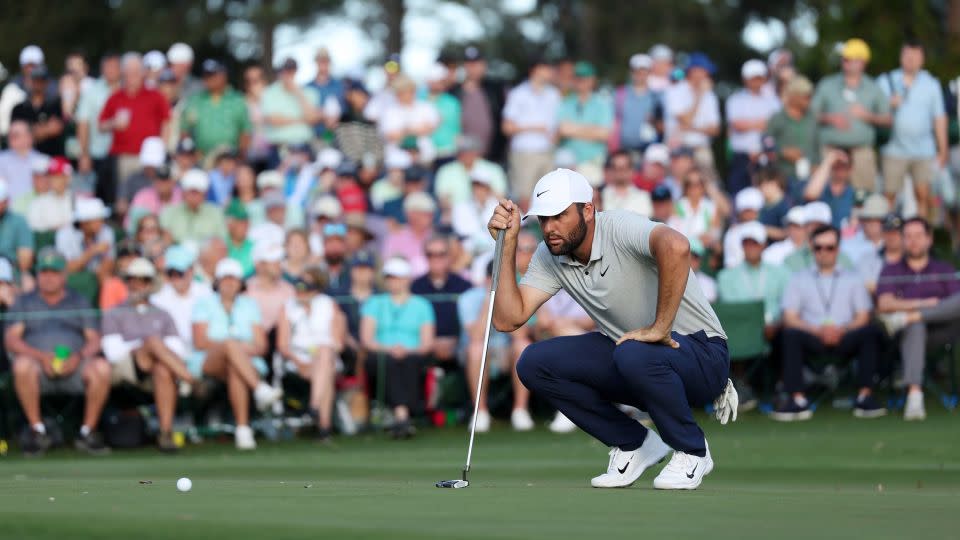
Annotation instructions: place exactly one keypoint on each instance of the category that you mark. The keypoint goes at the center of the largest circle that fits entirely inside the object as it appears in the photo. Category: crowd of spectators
(162, 229)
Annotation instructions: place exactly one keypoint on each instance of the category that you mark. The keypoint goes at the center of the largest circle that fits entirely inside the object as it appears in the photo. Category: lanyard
(827, 300)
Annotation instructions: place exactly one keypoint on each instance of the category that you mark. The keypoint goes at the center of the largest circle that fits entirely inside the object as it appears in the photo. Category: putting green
(831, 477)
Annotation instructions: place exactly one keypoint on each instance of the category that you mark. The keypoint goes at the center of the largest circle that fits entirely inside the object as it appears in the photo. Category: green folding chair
(743, 323)
(44, 239)
(86, 284)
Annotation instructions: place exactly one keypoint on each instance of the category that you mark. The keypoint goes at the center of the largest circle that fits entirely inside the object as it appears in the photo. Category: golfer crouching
(660, 347)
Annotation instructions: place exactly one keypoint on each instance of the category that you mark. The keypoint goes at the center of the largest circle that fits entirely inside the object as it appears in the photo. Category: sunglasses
(824, 247)
(175, 273)
(436, 254)
(140, 280)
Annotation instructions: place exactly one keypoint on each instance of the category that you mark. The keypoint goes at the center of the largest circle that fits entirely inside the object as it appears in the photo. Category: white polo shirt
(679, 99)
(527, 107)
(619, 285)
(744, 105)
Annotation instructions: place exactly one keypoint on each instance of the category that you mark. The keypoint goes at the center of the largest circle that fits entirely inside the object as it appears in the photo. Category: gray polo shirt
(832, 96)
(619, 286)
(826, 299)
(47, 326)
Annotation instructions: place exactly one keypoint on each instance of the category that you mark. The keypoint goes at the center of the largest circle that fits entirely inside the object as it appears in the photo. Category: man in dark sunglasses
(827, 311)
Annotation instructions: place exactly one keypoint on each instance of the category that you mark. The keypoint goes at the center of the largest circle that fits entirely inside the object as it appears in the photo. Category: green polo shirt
(242, 253)
(745, 283)
(216, 121)
(596, 111)
(276, 101)
(184, 224)
(445, 136)
(833, 96)
(14, 234)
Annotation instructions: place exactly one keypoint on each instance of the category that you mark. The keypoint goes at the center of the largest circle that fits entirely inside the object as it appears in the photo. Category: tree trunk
(953, 26)
(394, 11)
(267, 30)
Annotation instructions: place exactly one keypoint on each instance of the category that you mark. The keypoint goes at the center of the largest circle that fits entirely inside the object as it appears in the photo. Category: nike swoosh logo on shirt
(604, 271)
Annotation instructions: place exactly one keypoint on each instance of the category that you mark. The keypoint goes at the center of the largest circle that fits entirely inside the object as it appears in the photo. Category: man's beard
(334, 259)
(571, 241)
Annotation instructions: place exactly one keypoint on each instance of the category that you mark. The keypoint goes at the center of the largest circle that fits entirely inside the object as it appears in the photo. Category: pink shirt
(148, 202)
(405, 243)
(270, 301)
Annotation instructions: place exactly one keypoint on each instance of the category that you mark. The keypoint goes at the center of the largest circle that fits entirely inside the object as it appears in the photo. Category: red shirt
(148, 111)
(351, 198)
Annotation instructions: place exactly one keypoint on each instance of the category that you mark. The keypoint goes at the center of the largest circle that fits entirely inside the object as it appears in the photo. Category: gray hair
(131, 57)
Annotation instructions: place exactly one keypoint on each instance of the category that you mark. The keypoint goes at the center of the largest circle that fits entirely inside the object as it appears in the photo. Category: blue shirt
(398, 325)
(596, 111)
(637, 113)
(221, 188)
(221, 326)
(468, 308)
(912, 135)
(333, 87)
(841, 206)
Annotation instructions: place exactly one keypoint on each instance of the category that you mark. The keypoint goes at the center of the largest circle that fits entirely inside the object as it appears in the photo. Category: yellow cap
(856, 49)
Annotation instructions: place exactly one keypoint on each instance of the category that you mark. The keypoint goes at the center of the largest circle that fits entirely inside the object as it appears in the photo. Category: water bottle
(60, 355)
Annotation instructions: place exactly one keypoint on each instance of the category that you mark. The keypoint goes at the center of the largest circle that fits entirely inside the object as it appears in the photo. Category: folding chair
(743, 323)
(86, 284)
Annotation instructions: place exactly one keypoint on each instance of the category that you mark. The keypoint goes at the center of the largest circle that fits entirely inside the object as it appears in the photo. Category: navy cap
(661, 193)
(166, 76)
(186, 146)
(414, 173)
(347, 168)
(701, 60)
(769, 144)
(472, 53)
(681, 151)
(212, 67)
(363, 258)
(288, 64)
(892, 222)
(356, 84)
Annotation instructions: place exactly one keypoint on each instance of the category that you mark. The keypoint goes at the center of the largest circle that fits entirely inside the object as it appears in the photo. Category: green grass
(833, 477)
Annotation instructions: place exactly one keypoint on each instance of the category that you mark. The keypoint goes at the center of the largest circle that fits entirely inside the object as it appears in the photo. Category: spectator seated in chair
(440, 281)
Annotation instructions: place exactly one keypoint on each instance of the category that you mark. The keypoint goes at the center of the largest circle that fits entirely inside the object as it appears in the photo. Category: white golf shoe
(914, 409)
(562, 424)
(520, 420)
(483, 421)
(626, 466)
(265, 395)
(243, 438)
(685, 471)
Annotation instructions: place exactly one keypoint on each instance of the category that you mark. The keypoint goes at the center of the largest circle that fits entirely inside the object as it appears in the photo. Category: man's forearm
(508, 310)
(940, 130)
(672, 253)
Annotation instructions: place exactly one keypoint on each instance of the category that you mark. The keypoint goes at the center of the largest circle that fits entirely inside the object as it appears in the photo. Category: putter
(498, 254)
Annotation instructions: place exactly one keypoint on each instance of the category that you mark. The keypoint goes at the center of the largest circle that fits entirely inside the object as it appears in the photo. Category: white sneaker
(520, 420)
(562, 424)
(893, 322)
(914, 410)
(265, 395)
(625, 467)
(483, 421)
(685, 471)
(243, 438)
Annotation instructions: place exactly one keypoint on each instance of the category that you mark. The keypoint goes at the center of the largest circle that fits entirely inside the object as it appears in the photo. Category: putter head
(453, 484)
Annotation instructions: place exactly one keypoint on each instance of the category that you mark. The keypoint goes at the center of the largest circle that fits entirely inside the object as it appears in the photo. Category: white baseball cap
(154, 60)
(140, 267)
(267, 252)
(753, 68)
(395, 158)
(753, 230)
(152, 152)
(90, 210)
(329, 158)
(327, 206)
(228, 268)
(437, 72)
(796, 216)
(419, 201)
(657, 153)
(397, 267)
(661, 52)
(4, 190)
(269, 179)
(481, 175)
(818, 212)
(641, 61)
(195, 180)
(180, 53)
(748, 199)
(557, 190)
(31, 54)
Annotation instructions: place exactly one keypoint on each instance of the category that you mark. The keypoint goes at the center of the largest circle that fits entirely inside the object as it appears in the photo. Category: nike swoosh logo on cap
(542, 192)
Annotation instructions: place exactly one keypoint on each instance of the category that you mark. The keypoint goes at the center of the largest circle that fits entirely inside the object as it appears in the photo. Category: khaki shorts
(863, 175)
(895, 171)
(125, 372)
(526, 168)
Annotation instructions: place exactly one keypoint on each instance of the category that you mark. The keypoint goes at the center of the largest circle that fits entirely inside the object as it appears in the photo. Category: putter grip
(497, 257)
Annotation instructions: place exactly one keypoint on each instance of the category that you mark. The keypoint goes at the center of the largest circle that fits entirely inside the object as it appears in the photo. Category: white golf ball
(184, 484)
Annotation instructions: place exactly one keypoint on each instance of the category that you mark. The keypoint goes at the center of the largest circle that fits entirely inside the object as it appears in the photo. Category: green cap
(237, 210)
(50, 259)
(584, 69)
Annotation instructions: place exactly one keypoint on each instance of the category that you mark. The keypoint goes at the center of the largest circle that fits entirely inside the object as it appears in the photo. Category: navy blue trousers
(585, 376)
